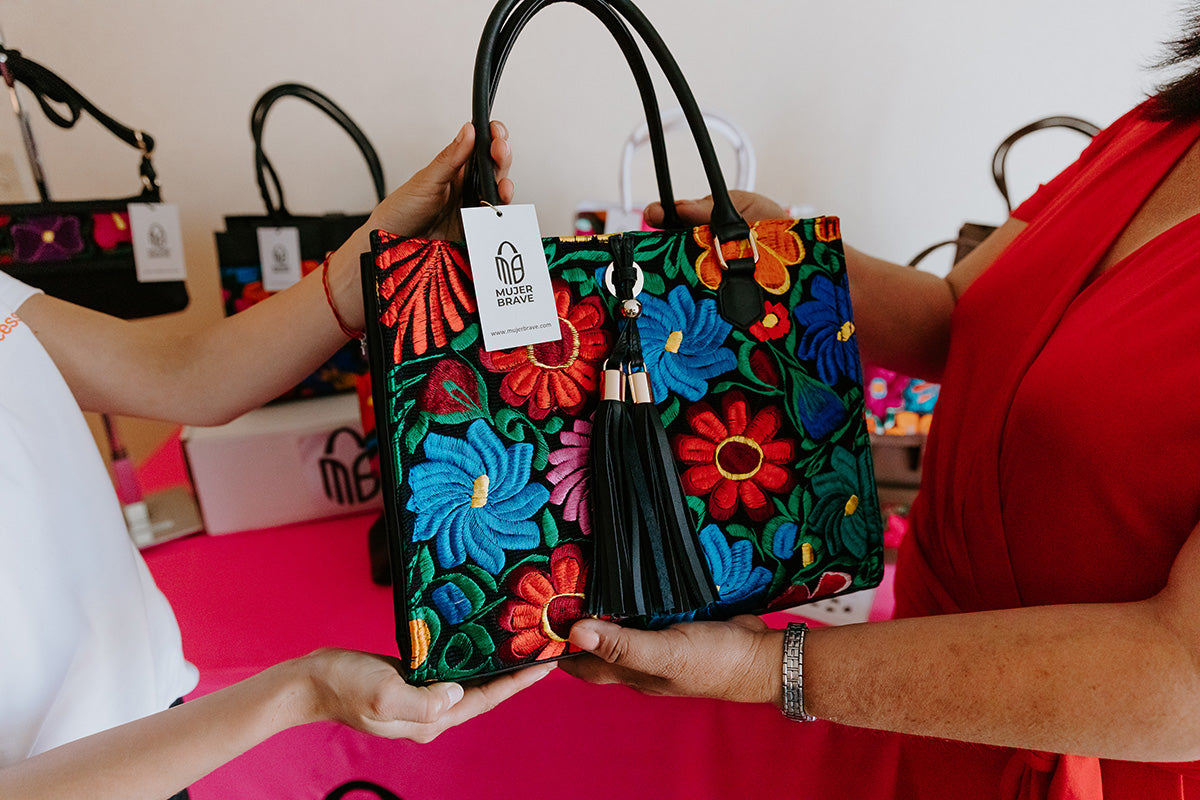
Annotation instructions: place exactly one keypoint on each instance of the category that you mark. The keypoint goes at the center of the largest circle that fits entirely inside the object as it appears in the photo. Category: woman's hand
(739, 660)
(427, 205)
(367, 693)
(753, 207)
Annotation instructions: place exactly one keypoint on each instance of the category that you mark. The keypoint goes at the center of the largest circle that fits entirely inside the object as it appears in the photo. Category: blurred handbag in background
(82, 250)
(686, 440)
(972, 233)
(259, 255)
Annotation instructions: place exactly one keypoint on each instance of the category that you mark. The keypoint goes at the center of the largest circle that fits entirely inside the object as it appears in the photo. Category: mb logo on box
(510, 269)
(345, 469)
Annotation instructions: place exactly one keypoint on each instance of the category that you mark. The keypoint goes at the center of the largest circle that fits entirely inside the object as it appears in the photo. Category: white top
(87, 641)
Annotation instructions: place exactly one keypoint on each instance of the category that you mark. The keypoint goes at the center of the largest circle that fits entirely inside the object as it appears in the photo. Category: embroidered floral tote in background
(81, 250)
(749, 349)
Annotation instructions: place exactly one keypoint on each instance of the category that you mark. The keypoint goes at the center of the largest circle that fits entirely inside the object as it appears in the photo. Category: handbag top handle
(633, 55)
(743, 149)
(1001, 154)
(48, 88)
(726, 224)
(262, 164)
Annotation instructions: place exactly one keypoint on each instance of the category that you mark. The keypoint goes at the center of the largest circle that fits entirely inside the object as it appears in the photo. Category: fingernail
(454, 694)
(461, 132)
(585, 638)
(501, 127)
(543, 670)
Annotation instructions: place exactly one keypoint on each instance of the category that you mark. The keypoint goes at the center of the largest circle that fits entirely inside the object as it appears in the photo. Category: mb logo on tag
(279, 254)
(159, 244)
(510, 267)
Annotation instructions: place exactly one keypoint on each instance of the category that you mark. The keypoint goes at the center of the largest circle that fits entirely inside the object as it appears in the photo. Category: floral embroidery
(829, 584)
(450, 390)
(560, 375)
(775, 324)
(425, 289)
(838, 512)
(681, 344)
(111, 229)
(732, 566)
(421, 638)
(543, 606)
(572, 489)
(474, 498)
(828, 336)
(735, 459)
(827, 229)
(46, 239)
(779, 247)
(252, 293)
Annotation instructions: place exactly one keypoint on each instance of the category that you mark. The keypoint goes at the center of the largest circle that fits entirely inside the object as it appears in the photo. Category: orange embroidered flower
(779, 247)
(419, 635)
(828, 229)
(425, 289)
(544, 606)
(561, 374)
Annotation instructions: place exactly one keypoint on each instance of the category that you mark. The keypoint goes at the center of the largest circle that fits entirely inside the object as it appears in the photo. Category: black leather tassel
(611, 573)
(648, 557)
(685, 568)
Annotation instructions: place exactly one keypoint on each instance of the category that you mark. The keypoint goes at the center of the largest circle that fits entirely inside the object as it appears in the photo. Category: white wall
(883, 112)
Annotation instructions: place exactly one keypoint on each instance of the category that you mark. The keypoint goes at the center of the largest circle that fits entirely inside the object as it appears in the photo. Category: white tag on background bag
(157, 242)
(279, 254)
(512, 281)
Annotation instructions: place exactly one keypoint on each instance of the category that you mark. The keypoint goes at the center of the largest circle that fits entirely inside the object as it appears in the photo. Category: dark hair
(1179, 97)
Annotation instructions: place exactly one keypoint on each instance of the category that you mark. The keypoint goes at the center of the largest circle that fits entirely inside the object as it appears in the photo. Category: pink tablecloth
(248, 600)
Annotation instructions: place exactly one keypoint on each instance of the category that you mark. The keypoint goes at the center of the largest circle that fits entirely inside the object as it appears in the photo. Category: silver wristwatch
(793, 673)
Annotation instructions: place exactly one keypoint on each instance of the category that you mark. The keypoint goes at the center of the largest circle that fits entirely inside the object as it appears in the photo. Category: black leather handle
(48, 88)
(517, 21)
(1001, 154)
(262, 164)
(726, 223)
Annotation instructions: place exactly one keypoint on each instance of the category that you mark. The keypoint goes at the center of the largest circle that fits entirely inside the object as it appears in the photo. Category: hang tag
(279, 254)
(512, 281)
(157, 242)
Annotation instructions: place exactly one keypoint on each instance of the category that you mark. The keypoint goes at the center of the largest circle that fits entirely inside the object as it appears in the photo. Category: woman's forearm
(1104, 680)
(157, 756)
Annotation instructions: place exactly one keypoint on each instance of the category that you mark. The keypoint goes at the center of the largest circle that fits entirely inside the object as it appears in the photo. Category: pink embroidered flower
(543, 606)
(46, 239)
(572, 490)
(111, 229)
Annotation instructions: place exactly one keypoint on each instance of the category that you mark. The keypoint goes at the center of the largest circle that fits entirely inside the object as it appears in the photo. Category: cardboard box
(280, 464)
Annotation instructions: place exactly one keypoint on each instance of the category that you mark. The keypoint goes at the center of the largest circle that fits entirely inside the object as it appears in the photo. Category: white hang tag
(157, 242)
(279, 254)
(512, 281)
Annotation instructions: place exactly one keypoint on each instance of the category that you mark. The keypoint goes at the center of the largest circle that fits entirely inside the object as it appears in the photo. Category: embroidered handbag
(82, 250)
(500, 509)
(238, 252)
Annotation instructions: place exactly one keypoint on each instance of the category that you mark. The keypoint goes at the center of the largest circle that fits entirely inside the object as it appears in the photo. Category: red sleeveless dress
(1064, 461)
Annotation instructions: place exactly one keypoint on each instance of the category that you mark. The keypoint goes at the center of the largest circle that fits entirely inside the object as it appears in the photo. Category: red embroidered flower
(734, 458)
(779, 247)
(451, 388)
(775, 324)
(829, 584)
(556, 375)
(425, 288)
(763, 367)
(111, 229)
(252, 293)
(543, 607)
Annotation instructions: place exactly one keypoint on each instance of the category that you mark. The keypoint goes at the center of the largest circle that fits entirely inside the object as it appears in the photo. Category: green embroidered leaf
(425, 567)
(468, 337)
(667, 415)
(698, 508)
(654, 283)
(549, 529)
(415, 434)
(480, 576)
(554, 425)
(480, 638)
(469, 589)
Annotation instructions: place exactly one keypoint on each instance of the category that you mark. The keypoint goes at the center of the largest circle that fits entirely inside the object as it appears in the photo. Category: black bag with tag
(238, 245)
(82, 250)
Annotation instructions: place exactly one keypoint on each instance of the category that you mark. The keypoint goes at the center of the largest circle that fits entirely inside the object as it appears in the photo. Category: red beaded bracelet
(346, 329)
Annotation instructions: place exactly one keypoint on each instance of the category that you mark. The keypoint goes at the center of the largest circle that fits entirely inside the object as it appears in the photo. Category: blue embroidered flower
(783, 543)
(681, 343)
(838, 511)
(731, 566)
(828, 336)
(452, 603)
(475, 499)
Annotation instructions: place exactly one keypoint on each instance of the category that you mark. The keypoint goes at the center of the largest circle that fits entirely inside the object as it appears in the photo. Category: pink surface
(248, 600)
